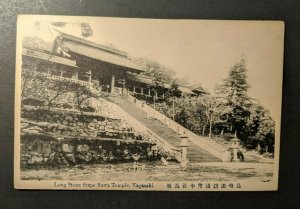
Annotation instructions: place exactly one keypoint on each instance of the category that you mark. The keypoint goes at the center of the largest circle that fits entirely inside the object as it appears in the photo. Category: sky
(203, 51)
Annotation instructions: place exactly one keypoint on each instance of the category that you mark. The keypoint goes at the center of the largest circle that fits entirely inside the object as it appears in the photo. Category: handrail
(149, 134)
(211, 147)
(72, 80)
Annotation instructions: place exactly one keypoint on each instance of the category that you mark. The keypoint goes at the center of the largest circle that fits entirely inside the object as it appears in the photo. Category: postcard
(147, 104)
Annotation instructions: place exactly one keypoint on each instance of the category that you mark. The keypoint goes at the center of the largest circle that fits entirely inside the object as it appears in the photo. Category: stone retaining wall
(57, 137)
(46, 151)
(72, 123)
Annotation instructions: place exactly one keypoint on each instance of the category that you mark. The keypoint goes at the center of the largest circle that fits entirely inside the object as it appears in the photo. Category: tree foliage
(81, 94)
(260, 128)
(234, 92)
(230, 110)
(155, 70)
(51, 91)
(85, 28)
(173, 91)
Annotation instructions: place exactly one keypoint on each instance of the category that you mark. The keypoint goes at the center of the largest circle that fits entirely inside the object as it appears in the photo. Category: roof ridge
(93, 44)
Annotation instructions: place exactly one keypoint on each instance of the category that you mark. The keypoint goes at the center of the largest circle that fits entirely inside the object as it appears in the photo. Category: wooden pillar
(61, 72)
(90, 76)
(124, 87)
(112, 86)
(75, 75)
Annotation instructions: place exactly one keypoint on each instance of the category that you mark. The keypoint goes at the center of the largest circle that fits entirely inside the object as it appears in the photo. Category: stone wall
(39, 151)
(73, 123)
(59, 137)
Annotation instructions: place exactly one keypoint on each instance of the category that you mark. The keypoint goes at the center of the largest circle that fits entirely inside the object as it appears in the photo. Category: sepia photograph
(147, 104)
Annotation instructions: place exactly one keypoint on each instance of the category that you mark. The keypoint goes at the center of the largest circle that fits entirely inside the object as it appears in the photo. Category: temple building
(103, 67)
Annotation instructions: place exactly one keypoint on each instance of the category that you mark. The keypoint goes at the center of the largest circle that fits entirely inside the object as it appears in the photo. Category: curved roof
(148, 80)
(44, 55)
(197, 88)
(95, 51)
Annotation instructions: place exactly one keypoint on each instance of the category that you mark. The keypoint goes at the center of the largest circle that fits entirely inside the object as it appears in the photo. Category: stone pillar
(112, 86)
(183, 145)
(133, 89)
(149, 92)
(235, 158)
(142, 91)
(235, 145)
(155, 95)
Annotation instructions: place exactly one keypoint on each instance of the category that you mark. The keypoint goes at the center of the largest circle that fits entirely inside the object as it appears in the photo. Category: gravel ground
(262, 172)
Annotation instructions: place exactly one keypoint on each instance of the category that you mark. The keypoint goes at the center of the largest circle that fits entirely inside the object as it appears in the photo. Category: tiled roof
(96, 51)
(148, 80)
(43, 55)
(197, 88)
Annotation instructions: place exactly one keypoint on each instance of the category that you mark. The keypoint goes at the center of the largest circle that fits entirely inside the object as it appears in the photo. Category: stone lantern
(154, 150)
(135, 158)
(183, 145)
(235, 145)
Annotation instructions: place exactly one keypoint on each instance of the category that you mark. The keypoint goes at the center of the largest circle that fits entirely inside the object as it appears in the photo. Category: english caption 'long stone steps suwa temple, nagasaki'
(107, 69)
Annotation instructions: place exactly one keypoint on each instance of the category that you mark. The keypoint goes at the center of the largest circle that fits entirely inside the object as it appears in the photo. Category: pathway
(195, 153)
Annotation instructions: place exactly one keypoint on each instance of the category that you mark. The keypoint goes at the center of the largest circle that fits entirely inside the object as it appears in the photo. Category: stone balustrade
(210, 146)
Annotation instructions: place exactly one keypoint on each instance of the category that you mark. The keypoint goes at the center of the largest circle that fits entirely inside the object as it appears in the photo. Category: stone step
(195, 153)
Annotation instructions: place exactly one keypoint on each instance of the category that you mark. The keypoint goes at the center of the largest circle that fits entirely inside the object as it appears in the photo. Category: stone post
(183, 145)
(235, 145)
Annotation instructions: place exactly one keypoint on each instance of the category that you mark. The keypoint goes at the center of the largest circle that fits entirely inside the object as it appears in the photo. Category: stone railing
(61, 78)
(146, 132)
(210, 146)
(71, 80)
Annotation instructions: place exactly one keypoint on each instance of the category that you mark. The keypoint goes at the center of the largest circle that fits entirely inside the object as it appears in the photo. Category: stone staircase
(195, 153)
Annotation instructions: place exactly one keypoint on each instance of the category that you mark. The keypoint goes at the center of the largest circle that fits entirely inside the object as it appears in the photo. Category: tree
(155, 70)
(53, 27)
(27, 78)
(260, 128)
(212, 109)
(172, 93)
(234, 90)
(192, 113)
(81, 94)
(86, 30)
(39, 86)
(55, 90)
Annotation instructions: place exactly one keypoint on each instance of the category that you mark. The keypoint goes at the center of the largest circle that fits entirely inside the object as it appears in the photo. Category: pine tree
(234, 91)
